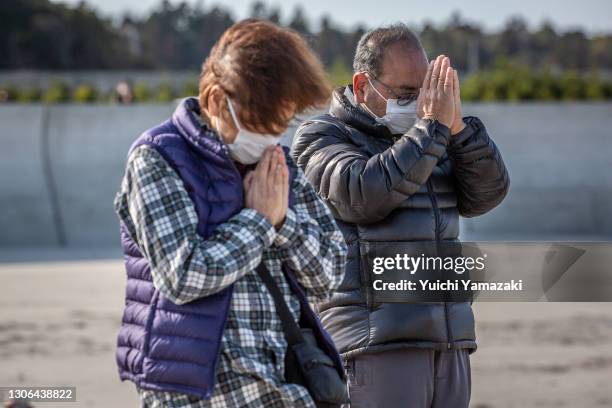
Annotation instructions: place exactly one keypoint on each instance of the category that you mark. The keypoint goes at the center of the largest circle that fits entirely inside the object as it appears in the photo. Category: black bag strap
(293, 334)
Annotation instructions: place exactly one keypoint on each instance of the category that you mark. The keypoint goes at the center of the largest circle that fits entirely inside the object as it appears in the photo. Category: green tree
(29, 94)
(164, 93)
(572, 86)
(141, 92)
(84, 93)
(57, 92)
(594, 88)
(339, 74)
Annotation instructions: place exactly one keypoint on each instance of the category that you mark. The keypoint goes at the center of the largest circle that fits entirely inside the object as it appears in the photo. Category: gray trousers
(410, 378)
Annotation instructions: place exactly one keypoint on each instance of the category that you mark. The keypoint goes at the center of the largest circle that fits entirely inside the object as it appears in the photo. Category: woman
(206, 197)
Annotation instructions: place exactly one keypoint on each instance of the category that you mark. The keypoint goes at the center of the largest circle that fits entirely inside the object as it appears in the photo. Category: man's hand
(458, 124)
(267, 187)
(436, 99)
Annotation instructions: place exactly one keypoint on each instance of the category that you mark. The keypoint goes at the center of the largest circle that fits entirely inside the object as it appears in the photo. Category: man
(394, 169)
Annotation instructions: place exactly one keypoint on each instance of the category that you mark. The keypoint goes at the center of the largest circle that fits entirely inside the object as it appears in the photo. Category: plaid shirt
(159, 215)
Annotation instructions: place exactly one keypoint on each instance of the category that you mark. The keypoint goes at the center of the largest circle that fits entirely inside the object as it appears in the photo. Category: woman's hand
(267, 187)
(436, 99)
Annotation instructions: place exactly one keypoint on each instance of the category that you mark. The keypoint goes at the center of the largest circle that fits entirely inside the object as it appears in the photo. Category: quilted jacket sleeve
(362, 188)
(481, 176)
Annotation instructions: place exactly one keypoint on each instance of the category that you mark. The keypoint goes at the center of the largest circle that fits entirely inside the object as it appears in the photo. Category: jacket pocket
(149, 323)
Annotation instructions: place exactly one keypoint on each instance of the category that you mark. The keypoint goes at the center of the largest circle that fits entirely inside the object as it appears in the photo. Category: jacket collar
(186, 118)
(342, 109)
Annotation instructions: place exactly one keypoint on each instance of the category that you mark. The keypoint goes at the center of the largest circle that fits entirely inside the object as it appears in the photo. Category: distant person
(397, 163)
(124, 93)
(207, 197)
(4, 95)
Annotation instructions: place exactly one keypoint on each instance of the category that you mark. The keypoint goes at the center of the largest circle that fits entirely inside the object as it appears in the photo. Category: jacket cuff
(289, 231)
(472, 125)
(258, 224)
(435, 129)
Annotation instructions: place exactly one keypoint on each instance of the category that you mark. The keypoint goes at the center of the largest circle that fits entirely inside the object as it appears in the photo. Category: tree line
(510, 63)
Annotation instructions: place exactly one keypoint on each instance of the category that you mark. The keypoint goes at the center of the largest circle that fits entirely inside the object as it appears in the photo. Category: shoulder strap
(293, 334)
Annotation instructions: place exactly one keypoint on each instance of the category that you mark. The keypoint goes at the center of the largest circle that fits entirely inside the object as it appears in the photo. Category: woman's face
(221, 119)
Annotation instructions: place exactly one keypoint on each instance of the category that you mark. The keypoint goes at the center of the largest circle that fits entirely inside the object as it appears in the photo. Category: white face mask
(248, 147)
(398, 119)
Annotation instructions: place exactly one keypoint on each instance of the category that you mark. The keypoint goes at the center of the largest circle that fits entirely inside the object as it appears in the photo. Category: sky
(593, 16)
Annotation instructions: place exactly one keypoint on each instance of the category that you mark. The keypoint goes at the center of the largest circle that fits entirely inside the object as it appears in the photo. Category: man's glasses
(401, 100)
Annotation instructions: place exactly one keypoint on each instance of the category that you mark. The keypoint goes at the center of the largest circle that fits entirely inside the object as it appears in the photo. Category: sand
(58, 322)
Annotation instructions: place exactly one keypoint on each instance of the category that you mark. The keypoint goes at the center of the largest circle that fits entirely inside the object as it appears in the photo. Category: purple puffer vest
(167, 347)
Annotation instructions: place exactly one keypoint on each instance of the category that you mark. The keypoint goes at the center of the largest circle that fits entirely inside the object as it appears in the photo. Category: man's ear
(360, 82)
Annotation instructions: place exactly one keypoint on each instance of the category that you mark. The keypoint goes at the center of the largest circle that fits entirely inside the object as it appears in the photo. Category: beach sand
(58, 322)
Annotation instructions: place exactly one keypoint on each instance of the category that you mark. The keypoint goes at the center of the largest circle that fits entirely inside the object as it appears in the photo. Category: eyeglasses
(401, 100)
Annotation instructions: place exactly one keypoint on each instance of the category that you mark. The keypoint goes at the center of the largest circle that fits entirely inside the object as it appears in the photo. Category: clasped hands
(266, 189)
(439, 97)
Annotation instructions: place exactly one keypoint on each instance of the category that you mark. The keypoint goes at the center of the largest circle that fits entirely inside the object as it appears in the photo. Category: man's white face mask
(398, 119)
(248, 147)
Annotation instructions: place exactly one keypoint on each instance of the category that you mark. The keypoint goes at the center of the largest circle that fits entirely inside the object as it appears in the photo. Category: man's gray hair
(372, 45)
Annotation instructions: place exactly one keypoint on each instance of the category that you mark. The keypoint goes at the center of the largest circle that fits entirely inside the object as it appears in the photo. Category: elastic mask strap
(233, 113)
(376, 90)
(364, 106)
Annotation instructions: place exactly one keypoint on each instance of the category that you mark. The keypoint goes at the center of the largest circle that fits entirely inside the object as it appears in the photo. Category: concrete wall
(61, 165)
(560, 161)
(88, 151)
(25, 208)
(69, 202)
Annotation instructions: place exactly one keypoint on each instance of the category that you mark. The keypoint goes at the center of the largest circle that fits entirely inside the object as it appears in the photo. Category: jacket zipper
(434, 204)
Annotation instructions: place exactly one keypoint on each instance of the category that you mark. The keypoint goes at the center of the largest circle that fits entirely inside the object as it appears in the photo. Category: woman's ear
(215, 101)
(359, 84)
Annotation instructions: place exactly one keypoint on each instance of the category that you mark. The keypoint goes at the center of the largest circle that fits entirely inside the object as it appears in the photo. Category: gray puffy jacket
(400, 189)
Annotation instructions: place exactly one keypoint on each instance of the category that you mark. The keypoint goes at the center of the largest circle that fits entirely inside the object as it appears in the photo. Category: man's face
(402, 74)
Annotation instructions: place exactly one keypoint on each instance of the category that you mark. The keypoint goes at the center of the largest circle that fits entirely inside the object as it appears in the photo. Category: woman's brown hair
(265, 69)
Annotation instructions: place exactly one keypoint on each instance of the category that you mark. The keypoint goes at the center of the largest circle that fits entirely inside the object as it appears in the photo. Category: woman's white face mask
(248, 147)
(398, 119)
